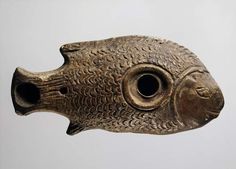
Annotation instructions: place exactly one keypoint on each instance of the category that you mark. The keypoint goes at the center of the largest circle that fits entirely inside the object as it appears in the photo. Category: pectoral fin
(74, 128)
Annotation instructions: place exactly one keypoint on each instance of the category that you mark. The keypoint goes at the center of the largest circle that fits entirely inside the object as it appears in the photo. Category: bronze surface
(133, 84)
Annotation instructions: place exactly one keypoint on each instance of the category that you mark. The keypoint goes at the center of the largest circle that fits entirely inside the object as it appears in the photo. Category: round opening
(28, 93)
(148, 85)
(63, 90)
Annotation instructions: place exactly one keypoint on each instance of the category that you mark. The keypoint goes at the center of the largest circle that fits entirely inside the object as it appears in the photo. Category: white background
(31, 33)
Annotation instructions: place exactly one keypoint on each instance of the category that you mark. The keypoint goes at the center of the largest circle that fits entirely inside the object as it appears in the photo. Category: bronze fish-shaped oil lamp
(133, 84)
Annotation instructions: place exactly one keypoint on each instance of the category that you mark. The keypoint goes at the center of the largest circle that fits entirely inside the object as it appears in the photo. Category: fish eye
(146, 86)
(203, 92)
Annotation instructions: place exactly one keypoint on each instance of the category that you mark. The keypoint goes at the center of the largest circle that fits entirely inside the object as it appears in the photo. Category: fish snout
(210, 95)
(217, 102)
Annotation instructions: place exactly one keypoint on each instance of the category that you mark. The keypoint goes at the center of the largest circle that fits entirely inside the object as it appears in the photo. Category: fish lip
(214, 113)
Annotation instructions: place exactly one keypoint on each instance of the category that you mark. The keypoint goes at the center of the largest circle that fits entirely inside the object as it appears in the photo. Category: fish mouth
(220, 104)
(213, 113)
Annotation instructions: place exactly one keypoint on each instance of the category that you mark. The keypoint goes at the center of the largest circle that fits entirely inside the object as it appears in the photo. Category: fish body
(133, 84)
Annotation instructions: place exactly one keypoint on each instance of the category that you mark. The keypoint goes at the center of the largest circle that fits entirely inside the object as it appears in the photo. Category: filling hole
(148, 85)
(28, 93)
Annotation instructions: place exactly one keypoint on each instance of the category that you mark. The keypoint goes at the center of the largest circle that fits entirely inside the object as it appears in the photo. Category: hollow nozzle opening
(27, 94)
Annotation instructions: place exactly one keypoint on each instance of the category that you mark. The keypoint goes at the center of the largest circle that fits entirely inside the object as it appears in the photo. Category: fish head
(170, 90)
(192, 99)
(197, 98)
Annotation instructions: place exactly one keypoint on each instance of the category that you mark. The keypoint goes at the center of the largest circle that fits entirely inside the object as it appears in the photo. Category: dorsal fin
(67, 50)
(73, 50)
(74, 128)
(77, 46)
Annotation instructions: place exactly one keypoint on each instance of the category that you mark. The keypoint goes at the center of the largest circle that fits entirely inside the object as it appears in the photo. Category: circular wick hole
(63, 90)
(28, 93)
(148, 85)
